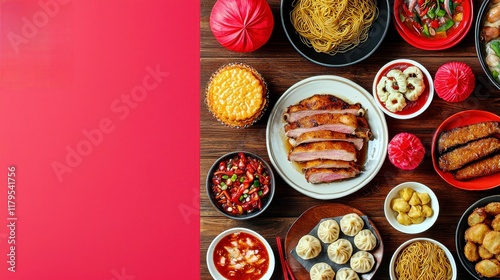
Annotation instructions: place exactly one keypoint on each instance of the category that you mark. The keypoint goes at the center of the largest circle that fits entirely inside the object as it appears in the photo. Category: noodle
(423, 260)
(333, 26)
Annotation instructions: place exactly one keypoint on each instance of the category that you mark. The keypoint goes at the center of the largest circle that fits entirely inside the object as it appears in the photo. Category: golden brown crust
(237, 95)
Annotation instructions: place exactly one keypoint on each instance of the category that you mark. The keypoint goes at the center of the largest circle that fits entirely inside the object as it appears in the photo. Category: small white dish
(211, 248)
(392, 264)
(412, 108)
(391, 215)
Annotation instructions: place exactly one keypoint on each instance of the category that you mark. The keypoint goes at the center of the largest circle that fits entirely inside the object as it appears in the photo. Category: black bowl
(266, 201)
(460, 235)
(481, 46)
(376, 35)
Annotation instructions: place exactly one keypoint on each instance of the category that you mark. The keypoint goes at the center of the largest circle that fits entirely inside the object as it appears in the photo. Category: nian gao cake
(237, 95)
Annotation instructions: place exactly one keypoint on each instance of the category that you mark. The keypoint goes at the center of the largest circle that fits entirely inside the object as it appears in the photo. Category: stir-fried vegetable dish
(240, 184)
(432, 18)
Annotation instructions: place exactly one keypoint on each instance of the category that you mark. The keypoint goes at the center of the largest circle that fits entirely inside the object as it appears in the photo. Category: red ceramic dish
(428, 43)
(457, 120)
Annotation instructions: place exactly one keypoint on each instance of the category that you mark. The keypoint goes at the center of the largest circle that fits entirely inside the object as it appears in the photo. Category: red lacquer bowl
(429, 43)
(457, 120)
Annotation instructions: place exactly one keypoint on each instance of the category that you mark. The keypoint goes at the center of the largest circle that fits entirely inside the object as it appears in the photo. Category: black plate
(459, 235)
(480, 46)
(376, 35)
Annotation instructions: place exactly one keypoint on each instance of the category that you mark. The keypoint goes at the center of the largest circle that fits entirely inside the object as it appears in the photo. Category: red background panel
(99, 116)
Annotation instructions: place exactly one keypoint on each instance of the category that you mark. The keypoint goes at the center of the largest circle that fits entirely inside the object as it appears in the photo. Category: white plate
(348, 91)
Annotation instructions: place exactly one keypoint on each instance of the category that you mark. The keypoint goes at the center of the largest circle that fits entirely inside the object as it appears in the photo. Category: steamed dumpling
(321, 271)
(346, 274)
(308, 247)
(365, 240)
(362, 261)
(351, 224)
(340, 251)
(328, 231)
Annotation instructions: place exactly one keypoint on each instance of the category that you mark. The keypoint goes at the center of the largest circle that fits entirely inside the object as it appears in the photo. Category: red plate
(424, 43)
(457, 120)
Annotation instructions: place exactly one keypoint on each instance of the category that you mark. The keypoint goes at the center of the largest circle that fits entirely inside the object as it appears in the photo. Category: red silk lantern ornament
(242, 25)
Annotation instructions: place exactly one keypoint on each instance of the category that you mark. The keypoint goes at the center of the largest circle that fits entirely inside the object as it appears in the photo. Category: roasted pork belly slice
(340, 150)
(464, 134)
(475, 150)
(321, 103)
(328, 163)
(326, 135)
(344, 123)
(327, 175)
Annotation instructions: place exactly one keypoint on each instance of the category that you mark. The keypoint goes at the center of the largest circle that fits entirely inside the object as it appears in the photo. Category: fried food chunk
(476, 233)
(477, 216)
(484, 253)
(488, 268)
(495, 223)
(492, 208)
(471, 251)
(491, 242)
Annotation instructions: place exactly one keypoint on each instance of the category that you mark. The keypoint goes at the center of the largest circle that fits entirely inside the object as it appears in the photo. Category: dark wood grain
(282, 66)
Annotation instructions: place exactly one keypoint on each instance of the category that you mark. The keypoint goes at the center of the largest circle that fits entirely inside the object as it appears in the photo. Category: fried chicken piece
(491, 242)
(476, 233)
(492, 208)
(471, 251)
(477, 216)
(488, 268)
(484, 253)
(495, 223)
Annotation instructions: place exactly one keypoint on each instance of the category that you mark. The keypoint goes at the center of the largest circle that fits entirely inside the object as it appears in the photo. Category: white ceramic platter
(348, 91)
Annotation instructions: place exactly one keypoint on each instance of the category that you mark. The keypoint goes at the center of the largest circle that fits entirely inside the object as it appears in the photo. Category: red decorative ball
(454, 81)
(406, 151)
(242, 25)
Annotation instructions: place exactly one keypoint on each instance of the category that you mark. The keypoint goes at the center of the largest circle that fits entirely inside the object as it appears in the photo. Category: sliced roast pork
(344, 123)
(340, 150)
(326, 135)
(321, 103)
(328, 163)
(326, 175)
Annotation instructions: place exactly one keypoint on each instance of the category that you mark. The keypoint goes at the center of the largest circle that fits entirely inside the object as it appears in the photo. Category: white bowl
(417, 107)
(210, 252)
(413, 228)
(392, 264)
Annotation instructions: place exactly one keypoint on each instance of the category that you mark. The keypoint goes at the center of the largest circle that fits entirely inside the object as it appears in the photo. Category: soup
(241, 256)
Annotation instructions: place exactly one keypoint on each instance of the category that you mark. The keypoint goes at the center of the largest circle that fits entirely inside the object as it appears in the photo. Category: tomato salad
(240, 183)
(432, 18)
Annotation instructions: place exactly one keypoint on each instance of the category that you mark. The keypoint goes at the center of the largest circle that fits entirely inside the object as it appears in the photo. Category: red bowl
(457, 120)
(426, 43)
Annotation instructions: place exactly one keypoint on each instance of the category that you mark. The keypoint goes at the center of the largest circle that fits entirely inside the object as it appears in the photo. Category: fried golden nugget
(477, 216)
(491, 242)
(497, 257)
(492, 208)
(495, 223)
(484, 253)
(471, 251)
(476, 233)
(488, 268)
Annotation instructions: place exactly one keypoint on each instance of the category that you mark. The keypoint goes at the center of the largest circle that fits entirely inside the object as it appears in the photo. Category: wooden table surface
(282, 66)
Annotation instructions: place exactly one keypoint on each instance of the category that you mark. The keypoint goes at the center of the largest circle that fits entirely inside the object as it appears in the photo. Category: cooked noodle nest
(333, 26)
(423, 260)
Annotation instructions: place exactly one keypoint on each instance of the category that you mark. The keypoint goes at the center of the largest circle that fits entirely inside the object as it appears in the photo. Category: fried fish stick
(475, 150)
(464, 134)
(478, 169)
